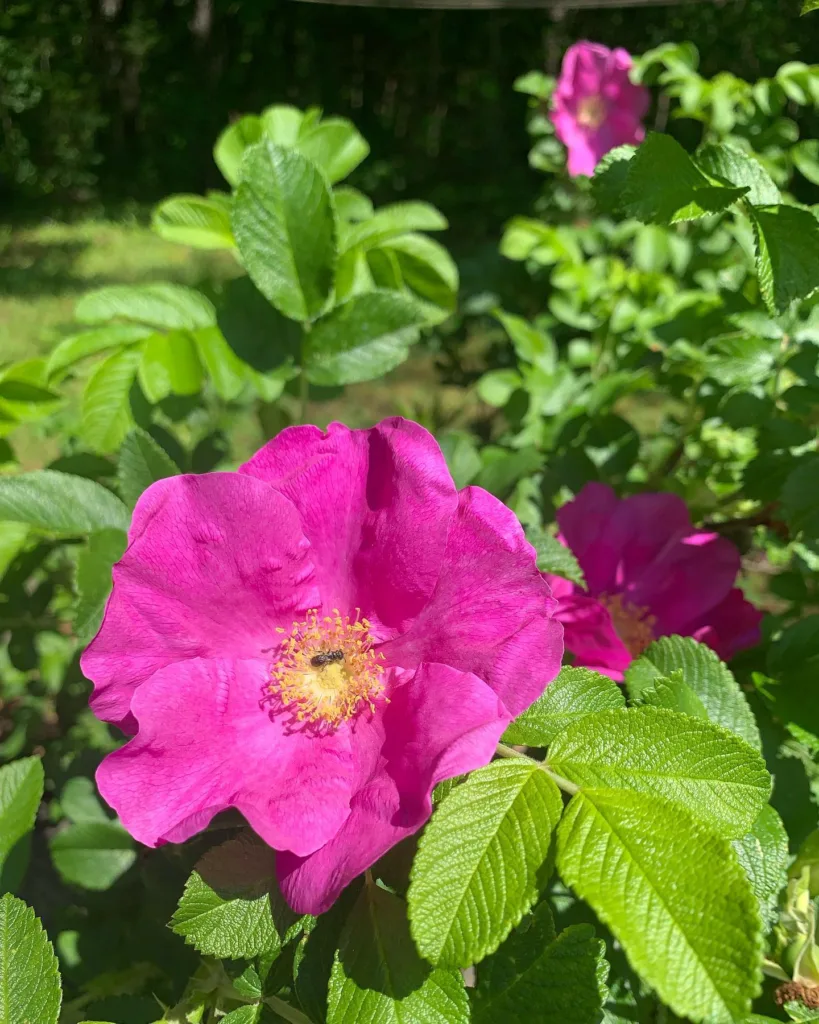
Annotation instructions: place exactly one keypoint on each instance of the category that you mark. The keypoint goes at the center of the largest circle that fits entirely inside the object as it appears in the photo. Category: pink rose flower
(316, 640)
(649, 573)
(596, 107)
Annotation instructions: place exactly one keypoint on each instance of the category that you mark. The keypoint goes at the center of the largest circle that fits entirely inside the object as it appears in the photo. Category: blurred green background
(106, 106)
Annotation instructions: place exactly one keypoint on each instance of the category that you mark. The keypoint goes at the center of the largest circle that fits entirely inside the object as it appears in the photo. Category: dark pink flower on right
(649, 573)
(596, 106)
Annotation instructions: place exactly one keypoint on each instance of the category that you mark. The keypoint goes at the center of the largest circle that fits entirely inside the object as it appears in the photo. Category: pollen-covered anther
(327, 670)
(632, 623)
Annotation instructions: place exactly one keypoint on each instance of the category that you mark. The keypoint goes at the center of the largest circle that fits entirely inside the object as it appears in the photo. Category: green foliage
(21, 790)
(482, 862)
(625, 853)
(29, 979)
(141, 463)
(563, 975)
(60, 503)
(231, 906)
(377, 974)
(575, 694)
(93, 580)
(763, 853)
(715, 775)
(704, 674)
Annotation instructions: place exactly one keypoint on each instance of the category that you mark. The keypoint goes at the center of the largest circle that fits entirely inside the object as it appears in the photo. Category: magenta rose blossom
(596, 107)
(316, 640)
(649, 573)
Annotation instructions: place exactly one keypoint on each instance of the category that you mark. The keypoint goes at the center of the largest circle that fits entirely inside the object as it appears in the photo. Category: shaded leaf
(93, 579)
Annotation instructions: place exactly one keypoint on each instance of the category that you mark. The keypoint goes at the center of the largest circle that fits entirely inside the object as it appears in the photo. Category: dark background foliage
(108, 100)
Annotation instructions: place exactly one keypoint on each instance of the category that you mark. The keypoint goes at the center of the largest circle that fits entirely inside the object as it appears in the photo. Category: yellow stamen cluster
(633, 624)
(327, 669)
(591, 112)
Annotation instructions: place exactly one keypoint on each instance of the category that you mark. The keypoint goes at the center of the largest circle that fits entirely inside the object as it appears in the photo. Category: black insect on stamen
(326, 658)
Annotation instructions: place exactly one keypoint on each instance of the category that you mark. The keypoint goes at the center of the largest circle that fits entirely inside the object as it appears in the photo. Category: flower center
(633, 624)
(327, 669)
(591, 112)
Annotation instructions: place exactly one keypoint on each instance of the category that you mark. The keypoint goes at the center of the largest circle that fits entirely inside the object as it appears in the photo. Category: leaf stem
(502, 750)
(287, 1011)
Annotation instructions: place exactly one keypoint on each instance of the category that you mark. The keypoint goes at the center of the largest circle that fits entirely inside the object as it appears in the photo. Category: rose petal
(730, 627)
(615, 540)
(439, 723)
(690, 576)
(589, 633)
(207, 742)
(492, 611)
(214, 564)
(376, 507)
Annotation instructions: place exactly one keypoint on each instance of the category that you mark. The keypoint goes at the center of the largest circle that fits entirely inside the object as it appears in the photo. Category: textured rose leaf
(29, 976)
(378, 975)
(661, 880)
(562, 975)
(60, 503)
(141, 463)
(707, 676)
(764, 855)
(575, 693)
(231, 906)
(717, 776)
(482, 861)
(21, 790)
(285, 229)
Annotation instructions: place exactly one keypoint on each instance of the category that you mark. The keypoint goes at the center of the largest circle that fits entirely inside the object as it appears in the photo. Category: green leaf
(379, 977)
(787, 254)
(496, 387)
(800, 497)
(662, 882)
(554, 557)
(610, 177)
(316, 955)
(282, 122)
(285, 229)
(664, 185)
(575, 693)
(763, 854)
(93, 579)
(531, 344)
(361, 339)
(717, 776)
(675, 695)
(106, 405)
(193, 220)
(562, 976)
(169, 365)
(60, 503)
(806, 158)
(334, 145)
(427, 272)
(392, 221)
(163, 306)
(91, 343)
(739, 168)
(141, 463)
(232, 143)
(29, 974)
(21, 790)
(704, 673)
(93, 855)
(227, 372)
(352, 204)
(482, 861)
(255, 332)
(737, 360)
(80, 803)
(810, 5)
(13, 537)
(231, 906)
(461, 454)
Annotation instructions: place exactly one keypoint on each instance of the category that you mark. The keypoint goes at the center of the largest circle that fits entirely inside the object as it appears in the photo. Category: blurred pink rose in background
(595, 105)
(649, 573)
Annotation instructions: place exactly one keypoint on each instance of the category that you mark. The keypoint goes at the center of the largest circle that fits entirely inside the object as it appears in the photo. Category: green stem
(287, 1011)
(502, 750)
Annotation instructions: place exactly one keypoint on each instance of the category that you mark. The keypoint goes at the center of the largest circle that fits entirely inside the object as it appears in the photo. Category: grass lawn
(45, 269)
